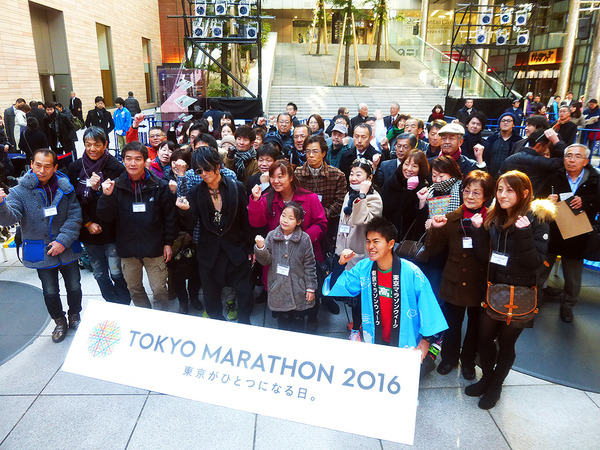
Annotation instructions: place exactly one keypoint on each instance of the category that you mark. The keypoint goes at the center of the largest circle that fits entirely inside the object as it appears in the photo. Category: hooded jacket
(26, 203)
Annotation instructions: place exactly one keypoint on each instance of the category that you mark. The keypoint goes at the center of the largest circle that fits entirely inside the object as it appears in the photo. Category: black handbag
(412, 250)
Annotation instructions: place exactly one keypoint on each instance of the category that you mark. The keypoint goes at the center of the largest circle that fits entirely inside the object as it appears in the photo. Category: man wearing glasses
(405, 142)
(501, 143)
(577, 183)
(283, 129)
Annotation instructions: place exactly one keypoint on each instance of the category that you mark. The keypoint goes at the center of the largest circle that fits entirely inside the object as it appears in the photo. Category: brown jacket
(464, 276)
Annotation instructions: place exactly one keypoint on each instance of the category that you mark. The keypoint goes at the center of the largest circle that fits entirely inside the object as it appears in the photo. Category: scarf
(240, 161)
(395, 334)
(352, 196)
(54, 126)
(447, 187)
(50, 188)
(83, 192)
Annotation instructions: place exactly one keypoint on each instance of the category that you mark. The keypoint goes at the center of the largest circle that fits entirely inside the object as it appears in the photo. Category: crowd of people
(404, 221)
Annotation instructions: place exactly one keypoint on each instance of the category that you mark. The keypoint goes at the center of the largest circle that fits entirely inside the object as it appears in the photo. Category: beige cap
(452, 128)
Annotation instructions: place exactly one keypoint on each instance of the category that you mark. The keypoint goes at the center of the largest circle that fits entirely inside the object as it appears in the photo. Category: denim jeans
(106, 266)
(71, 278)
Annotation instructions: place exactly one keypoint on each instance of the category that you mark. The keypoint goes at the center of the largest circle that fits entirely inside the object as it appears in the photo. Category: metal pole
(568, 49)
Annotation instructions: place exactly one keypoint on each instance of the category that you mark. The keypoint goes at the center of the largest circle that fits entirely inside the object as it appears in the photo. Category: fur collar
(544, 210)
(279, 236)
(30, 181)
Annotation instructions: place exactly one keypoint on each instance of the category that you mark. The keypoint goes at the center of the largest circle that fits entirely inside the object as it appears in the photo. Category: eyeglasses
(313, 152)
(574, 156)
(475, 194)
(284, 122)
(506, 121)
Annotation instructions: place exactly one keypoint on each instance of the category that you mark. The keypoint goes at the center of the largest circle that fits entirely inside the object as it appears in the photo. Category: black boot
(479, 388)
(492, 394)
(184, 308)
(60, 331)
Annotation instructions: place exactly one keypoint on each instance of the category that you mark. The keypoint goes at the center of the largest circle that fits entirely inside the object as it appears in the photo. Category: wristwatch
(362, 196)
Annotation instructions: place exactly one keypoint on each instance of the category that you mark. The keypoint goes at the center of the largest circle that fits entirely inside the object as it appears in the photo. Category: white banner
(333, 383)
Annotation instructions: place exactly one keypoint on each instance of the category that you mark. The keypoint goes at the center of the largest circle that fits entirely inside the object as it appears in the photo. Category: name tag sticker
(283, 270)
(499, 258)
(564, 196)
(467, 242)
(139, 207)
(345, 229)
(88, 183)
(320, 197)
(50, 211)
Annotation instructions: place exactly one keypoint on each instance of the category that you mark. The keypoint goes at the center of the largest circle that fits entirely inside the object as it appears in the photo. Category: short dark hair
(182, 153)
(20, 100)
(484, 179)
(364, 125)
(119, 101)
(446, 164)
(95, 133)
(293, 105)
(412, 139)
(539, 122)
(245, 132)
(32, 122)
(537, 137)
(268, 149)
(49, 104)
(135, 146)
(345, 118)
(384, 227)
(479, 116)
(130, 93)
(319, 140)
(296, 209)
(159, 128)
(33, 104)
(45, 152)
(99, 98)
(200, 126)
(341, 110)
(284, 114)
(208, 139)
(172, 145)
(59, 105)
(206, 159)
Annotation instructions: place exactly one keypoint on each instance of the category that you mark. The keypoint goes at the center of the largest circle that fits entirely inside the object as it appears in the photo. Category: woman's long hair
(521, 184)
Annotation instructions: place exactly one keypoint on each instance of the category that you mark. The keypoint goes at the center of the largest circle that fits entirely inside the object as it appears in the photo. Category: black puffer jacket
(526, 249)
(141, 234)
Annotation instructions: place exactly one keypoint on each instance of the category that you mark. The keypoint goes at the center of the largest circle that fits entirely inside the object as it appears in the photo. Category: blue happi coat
(420, 313)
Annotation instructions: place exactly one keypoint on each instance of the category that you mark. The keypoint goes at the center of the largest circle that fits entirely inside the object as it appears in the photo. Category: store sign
(542, 57)
(348, 386)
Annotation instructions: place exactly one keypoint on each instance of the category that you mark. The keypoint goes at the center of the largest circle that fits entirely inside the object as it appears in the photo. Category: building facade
(49, 48)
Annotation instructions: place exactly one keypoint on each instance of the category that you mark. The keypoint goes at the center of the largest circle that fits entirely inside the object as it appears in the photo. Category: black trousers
(504, 356)
(451, 348)
(222, 274)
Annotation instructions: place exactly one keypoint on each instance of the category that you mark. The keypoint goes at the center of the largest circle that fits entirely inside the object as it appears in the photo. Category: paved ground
(43, 407)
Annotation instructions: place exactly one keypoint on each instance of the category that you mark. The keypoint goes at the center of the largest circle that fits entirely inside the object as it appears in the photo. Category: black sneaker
(331, 305)
(566, 314)
(427, 365)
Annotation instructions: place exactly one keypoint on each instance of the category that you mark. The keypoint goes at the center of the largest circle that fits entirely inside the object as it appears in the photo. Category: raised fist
(108, 186)
(260, 241)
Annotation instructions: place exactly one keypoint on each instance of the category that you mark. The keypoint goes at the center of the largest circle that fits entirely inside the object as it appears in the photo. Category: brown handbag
(508, 303)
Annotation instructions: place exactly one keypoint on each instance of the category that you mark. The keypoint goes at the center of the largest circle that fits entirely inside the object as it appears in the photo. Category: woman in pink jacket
(264, 210)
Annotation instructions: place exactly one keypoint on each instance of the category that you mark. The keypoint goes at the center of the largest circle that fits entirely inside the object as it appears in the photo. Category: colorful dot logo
(103, 339)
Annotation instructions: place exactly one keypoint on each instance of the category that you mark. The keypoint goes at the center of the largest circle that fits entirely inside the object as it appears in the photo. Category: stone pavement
(43, 407)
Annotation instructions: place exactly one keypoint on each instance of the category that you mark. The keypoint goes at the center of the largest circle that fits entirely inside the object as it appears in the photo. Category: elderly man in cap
(452, 137)
(338, 144)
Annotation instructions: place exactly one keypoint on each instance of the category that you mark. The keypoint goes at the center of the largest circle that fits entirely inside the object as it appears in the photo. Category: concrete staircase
(306, 80)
